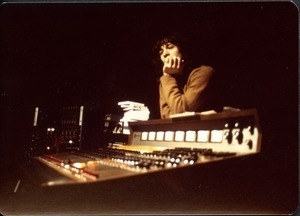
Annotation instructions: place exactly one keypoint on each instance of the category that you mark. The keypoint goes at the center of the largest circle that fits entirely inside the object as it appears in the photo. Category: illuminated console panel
(159, 145)
(230, 131)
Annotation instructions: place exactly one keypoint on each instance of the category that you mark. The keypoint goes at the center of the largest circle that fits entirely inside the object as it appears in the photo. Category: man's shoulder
(203, 70)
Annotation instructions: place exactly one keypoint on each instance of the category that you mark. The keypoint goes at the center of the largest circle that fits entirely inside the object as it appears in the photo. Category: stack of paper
(133, 111)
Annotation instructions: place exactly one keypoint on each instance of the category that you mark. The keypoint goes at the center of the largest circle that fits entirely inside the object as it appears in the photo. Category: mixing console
(160, 145)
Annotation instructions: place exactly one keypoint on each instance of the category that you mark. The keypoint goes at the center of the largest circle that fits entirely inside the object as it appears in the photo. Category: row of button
(204, 136)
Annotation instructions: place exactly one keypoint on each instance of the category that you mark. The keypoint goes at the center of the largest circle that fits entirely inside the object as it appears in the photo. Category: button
(169, 135)
(216, 136)
(202, 136)
(190, 136)
(151, 136)
(160, 136)
(144, 136)
(179, 136)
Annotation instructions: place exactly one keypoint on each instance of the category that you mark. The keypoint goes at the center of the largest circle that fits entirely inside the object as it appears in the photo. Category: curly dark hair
(177, 39)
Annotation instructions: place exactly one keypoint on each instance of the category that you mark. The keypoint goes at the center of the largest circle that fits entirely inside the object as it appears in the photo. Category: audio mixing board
(160, 145)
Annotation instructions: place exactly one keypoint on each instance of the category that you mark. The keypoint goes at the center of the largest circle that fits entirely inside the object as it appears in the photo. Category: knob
(250, 129)
(228, 136)
(249, 143)
(238, 135)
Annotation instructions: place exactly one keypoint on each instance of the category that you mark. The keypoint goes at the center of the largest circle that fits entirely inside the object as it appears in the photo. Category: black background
(97, 54)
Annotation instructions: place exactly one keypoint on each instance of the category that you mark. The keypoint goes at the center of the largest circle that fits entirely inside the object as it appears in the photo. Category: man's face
(169, 50)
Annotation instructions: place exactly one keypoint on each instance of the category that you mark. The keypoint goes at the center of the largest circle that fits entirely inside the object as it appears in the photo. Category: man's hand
(173, 65)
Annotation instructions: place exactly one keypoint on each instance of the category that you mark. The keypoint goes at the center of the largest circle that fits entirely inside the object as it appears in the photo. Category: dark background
(98, 54)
